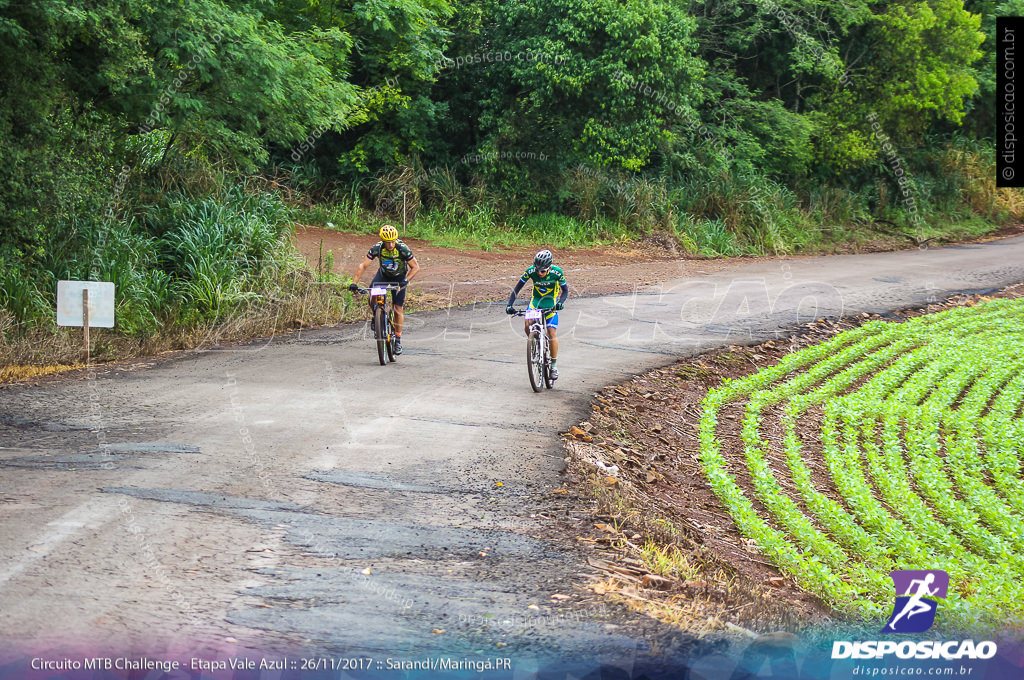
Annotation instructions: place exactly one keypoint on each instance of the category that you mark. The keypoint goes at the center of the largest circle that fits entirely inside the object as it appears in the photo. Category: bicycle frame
(381, 302)
(538, 362)
(539, 325)
(379, 297)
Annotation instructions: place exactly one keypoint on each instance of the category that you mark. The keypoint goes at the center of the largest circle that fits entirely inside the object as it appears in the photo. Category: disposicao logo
(914, 611)
(917, 595)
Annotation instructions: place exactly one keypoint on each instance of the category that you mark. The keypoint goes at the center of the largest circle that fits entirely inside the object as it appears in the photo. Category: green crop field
(917, 427)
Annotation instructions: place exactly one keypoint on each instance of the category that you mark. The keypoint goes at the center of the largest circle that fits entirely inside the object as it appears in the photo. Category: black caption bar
(1009, 148)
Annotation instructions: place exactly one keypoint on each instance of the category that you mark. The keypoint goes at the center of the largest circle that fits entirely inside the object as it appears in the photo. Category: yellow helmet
(388, 233)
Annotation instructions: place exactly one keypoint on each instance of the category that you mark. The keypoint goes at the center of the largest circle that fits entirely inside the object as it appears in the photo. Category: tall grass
(222, 251)
(972, 169)
(708, 211)
(180, 264)
(711, 215)
(21, 295)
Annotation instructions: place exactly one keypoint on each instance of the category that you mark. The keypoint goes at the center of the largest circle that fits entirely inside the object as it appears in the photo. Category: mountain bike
(538, 349)
(383, 315)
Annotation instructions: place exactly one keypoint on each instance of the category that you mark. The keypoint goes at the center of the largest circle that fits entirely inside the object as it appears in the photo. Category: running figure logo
(912, 613)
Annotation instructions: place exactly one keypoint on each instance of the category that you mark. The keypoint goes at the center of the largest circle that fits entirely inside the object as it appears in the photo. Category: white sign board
(101, 303)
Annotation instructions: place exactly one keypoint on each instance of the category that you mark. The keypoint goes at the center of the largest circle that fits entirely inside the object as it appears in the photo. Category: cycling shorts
(397, 296)
(550, 315)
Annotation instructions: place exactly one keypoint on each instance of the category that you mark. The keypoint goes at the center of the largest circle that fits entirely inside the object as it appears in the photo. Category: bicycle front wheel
(535, 362)
(390, 343)
(380, 333)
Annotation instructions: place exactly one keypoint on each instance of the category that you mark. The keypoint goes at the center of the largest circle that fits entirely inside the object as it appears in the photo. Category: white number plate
(532, 313)
(378, 291)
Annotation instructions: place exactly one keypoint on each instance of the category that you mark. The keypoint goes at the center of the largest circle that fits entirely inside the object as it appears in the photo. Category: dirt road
(291, 494)
(457, 277)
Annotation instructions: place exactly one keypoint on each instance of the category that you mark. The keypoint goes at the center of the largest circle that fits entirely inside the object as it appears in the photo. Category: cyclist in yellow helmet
(397, 265)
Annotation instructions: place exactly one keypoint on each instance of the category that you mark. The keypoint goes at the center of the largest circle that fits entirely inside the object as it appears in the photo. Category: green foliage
(911, 69)
(922, 61)
(20, 294)
(980, 120)
(94, 98)
(221, 251)
(596, 83)
(400, 43)
(181, 260)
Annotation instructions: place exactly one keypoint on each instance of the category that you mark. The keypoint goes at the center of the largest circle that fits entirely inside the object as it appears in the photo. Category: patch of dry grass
(297, 301)
(658, 570)
(980, 192)
(17, 373)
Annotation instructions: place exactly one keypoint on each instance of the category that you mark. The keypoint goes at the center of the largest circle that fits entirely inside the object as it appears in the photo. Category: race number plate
(532, 313)
(378, 291)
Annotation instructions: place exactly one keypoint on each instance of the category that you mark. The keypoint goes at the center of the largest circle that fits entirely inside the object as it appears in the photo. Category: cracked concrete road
(291, 494)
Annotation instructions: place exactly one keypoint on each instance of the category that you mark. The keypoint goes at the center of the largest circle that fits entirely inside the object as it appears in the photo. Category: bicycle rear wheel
(534, 362)
(380, 333)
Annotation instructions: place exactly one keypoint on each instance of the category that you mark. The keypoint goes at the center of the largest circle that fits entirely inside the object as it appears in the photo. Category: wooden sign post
(85, 322)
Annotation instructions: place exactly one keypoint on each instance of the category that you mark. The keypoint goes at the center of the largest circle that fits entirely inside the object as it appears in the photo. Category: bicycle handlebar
(522, 312)
(389, 286)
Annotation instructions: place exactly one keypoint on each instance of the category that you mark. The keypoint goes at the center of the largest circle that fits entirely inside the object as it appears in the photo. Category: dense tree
(397, 47)
(909, 68)
(819, 69)
(98, 99)
(88, 87)
(598, 83)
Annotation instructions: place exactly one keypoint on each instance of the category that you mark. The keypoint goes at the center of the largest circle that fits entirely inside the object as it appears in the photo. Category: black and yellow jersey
(545, 288)
(393, 263)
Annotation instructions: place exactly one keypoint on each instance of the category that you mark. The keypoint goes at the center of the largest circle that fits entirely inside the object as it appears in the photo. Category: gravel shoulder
(637, 456)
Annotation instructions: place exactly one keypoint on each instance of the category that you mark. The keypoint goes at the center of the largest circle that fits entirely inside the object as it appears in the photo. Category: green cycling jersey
(545, 288)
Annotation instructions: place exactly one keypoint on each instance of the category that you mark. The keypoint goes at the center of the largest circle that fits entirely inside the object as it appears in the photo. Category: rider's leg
(553, 345)
(398, 304)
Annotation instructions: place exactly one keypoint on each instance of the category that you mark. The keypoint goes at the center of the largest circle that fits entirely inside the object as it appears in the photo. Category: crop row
(921, 436)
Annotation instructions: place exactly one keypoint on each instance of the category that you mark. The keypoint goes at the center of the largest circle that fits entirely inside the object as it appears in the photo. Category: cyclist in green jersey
(547, 280)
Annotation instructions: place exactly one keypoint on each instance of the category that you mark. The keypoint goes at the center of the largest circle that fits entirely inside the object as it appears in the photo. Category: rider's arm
(371, 254)
(564, 294)
(515, 292)
(414, 267)
(361, 268)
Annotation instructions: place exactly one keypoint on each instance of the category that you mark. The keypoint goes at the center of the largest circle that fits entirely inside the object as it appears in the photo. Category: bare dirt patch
(451, 276)
(638, 455)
